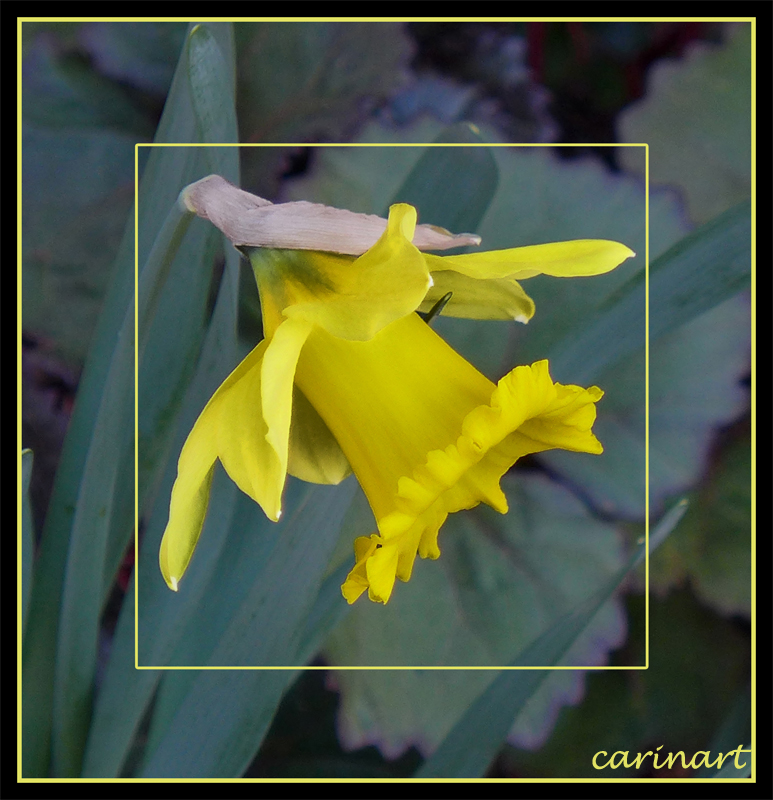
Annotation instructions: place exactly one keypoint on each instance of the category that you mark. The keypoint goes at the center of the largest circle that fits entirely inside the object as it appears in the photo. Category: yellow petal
(276, 396)
(250, 461)
(351, 298)
(381, 569)
(497, 298)
(357, 580)
(254, 414)
(188, 509)
(559, 259)
(190, 493)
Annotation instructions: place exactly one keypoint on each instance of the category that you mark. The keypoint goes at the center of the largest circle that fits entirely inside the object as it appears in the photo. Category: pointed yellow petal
(357, 580)
(559, 259)
(190, 494)
(276, 392)
(250, 460)
(381, 569)
(188, 509)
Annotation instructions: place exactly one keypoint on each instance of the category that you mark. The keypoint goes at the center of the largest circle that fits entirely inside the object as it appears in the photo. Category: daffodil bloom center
(428, 435)
(350, 379)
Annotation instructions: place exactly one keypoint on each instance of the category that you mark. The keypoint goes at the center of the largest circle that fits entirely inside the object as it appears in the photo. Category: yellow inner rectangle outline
(137, 665)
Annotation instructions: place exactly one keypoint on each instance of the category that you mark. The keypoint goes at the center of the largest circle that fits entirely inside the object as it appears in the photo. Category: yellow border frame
(752, 21)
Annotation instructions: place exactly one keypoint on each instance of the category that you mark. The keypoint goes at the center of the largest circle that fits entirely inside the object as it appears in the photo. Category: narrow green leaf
(189, 278)
(699, 272)
(188, 636)
(476, 738)
(157, 267)
(205, 112)
(27, 534)
(121, 524)
(225, 714)
(327, 610)
(103, 406)
(212, 91)
(325, 614)
(177, 335)
(38, 657)
(80, 607)
(167, 173)
(126, 692)
(121, 702)
(175, 341)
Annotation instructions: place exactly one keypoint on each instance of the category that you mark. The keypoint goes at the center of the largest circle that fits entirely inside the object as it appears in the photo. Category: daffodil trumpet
(349, 378)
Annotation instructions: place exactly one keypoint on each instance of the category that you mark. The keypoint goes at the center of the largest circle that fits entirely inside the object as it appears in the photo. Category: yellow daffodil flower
(349, 377)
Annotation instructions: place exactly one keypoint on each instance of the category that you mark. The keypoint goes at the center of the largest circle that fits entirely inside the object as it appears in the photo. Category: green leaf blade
(126, 692)
(452, 186)
(27, 534)
(225, 714)
(710, 265)
(212, 92)
(175, 276)
(71, 572)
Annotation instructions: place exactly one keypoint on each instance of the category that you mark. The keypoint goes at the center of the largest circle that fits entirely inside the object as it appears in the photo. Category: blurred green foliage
(698, 664)
(697, 120)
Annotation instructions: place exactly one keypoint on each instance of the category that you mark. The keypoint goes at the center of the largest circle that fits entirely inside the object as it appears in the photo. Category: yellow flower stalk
(349, 377)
